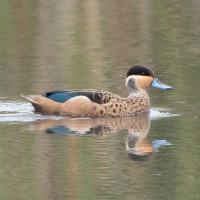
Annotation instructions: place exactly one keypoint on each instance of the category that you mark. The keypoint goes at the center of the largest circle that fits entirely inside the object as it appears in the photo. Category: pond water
(62, 45)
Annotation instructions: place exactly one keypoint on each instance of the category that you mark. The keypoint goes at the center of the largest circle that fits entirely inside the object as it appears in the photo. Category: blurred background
(68, 44)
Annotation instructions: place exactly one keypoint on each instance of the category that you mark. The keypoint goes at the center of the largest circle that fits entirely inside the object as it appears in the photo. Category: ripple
(156, 113)
(16, 107)
(18, 111)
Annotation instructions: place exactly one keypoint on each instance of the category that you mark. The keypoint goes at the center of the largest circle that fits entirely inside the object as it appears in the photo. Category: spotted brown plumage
(94, 103)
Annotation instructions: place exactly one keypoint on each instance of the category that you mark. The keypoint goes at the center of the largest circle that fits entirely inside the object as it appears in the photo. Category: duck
(98, 103)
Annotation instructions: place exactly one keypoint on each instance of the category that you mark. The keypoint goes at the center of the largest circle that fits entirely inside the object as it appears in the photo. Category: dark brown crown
(140, 70)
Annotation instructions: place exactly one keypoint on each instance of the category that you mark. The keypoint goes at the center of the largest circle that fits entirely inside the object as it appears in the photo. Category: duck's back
(99, 97)
(94, 103)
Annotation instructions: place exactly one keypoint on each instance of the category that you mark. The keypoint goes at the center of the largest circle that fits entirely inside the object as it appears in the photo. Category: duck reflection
(137, 144)
(139, 147)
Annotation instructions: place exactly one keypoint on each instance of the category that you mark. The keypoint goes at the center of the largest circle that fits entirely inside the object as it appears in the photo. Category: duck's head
(139, 78)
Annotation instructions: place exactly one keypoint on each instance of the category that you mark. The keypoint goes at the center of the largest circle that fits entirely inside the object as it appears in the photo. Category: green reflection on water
(48, 45)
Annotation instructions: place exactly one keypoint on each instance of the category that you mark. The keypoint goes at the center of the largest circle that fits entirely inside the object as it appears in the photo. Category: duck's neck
(133, 90)
(138, 93)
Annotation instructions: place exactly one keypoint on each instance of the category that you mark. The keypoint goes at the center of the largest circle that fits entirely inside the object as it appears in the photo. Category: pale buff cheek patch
(143, 82)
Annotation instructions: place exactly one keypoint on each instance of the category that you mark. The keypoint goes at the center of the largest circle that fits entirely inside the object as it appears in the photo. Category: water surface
(48, 45)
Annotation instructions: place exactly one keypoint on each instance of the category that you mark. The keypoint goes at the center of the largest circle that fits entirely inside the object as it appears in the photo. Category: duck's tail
(43, 104)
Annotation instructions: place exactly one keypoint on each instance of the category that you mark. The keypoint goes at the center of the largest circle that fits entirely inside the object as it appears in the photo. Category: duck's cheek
(144, 81)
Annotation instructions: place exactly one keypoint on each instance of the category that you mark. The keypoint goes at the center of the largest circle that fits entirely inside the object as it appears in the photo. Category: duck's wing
(96, 96)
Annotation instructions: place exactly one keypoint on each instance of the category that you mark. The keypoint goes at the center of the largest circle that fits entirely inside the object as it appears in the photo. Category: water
(48, 45)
